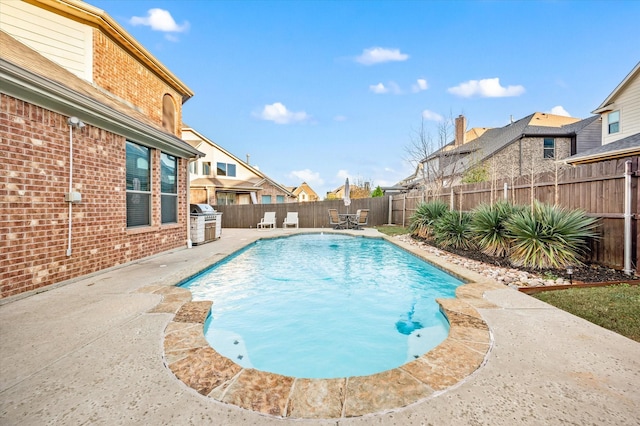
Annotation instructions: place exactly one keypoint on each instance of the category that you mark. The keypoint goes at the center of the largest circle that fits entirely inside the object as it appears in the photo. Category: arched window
(168, 114)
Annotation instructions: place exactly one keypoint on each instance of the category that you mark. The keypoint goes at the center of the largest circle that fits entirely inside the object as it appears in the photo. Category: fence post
(404, 208)
(390, 210)
(452, 203)
(506, 191)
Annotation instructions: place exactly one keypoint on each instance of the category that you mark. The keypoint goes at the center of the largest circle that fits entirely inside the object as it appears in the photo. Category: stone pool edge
(190, 358)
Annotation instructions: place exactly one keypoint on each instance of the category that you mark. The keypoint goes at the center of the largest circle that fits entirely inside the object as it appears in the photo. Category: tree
(436, 160)
(377, 192)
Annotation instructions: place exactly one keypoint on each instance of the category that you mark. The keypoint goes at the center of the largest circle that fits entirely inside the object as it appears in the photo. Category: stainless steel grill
(206, 223)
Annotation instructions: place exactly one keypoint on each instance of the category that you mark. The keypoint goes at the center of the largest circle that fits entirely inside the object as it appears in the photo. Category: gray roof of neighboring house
(493, 140)
(621, 148)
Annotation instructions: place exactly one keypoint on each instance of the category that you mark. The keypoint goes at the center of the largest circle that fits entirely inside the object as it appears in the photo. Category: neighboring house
(530, 145)
(221, 178)
(304, 193)
(355, 191)
(620, 111)
(94, 174)
(620, 114)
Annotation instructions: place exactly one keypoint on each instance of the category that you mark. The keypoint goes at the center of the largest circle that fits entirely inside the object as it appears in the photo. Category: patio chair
(290, 220)
(362, 218)
(334, 219)
(268, 221)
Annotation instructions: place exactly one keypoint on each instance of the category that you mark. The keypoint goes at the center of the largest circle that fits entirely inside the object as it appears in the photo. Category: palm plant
(453, 230)
(488, 225)
(423, 219)
(549, 236)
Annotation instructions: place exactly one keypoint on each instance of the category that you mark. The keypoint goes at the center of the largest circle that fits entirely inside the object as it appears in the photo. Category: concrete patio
(91, 352)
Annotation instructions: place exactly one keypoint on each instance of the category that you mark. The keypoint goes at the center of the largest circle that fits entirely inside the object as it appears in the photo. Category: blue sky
(317, 91)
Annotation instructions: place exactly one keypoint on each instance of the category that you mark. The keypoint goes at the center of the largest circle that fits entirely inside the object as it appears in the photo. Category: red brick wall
(34, 176)
(121, 74)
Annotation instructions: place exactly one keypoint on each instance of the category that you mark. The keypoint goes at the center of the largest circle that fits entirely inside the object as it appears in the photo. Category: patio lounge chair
(362, 218)
(268, 221)
(334, 219)
(290, 220)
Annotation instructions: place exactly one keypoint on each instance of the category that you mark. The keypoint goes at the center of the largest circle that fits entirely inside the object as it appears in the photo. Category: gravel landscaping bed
(500, 269)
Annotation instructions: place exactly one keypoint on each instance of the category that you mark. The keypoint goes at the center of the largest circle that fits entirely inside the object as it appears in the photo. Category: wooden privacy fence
(310, 215)
(597, 188)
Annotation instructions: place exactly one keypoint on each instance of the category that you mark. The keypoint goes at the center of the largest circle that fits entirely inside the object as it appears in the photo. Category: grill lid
(201, 209)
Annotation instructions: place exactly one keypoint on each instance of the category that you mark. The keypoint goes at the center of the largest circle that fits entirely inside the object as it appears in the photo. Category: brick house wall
(515, 159)
(119, 73)
(34, 165)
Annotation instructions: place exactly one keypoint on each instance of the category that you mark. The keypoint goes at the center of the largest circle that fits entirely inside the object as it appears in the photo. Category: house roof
(27, 75)
(493, 140)
(231, 183)
(624, 147)
(606, 105)
(242, 185)
(87, 14)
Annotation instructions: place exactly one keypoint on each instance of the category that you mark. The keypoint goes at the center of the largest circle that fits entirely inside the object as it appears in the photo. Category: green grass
(615, 307)
(392, 230)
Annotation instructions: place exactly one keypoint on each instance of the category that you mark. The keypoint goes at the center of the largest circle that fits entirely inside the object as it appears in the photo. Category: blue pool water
(323, 305)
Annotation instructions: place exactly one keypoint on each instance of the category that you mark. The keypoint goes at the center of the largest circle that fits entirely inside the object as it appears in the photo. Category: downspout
(627, 218)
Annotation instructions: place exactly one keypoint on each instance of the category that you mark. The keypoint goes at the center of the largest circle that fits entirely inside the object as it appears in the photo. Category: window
(168, 189)
(266, 199)
(138, 185)
(549, 148)
(226, 169)
(193, 167)
(225, 198)
(614, 121)
(279, 199)
(206, 168)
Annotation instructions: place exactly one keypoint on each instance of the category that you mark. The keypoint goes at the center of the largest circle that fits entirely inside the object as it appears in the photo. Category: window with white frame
(266, 199)
(279, 199)
(168, 188)
(206, 168)
(613, 119)
(226, 169)
(225, 198)
(138, 177)
(549, 148)
(193, 167)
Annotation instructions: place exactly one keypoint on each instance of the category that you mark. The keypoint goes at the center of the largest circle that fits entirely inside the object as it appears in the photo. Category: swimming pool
(323, 305)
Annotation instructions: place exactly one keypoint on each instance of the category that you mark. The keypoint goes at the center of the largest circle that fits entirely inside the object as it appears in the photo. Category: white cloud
(278, 113)
(160, 20)
(559, 110)
(431, 116)
(486, 88)
(306, 175)
(378, 88)
(340, 118)
(378, 55)
(391, 87)
(420, 85)
(342, 174)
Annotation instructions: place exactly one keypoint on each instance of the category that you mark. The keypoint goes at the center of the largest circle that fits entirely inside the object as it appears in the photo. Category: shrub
(488, 226)
(549, 236)
(424, 217)
(453, 230)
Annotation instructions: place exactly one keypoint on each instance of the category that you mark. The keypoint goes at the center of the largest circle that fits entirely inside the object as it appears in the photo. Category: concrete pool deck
(95, 351)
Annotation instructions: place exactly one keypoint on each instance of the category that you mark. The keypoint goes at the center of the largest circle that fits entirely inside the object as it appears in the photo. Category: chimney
(461, 128)
(248, 156)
